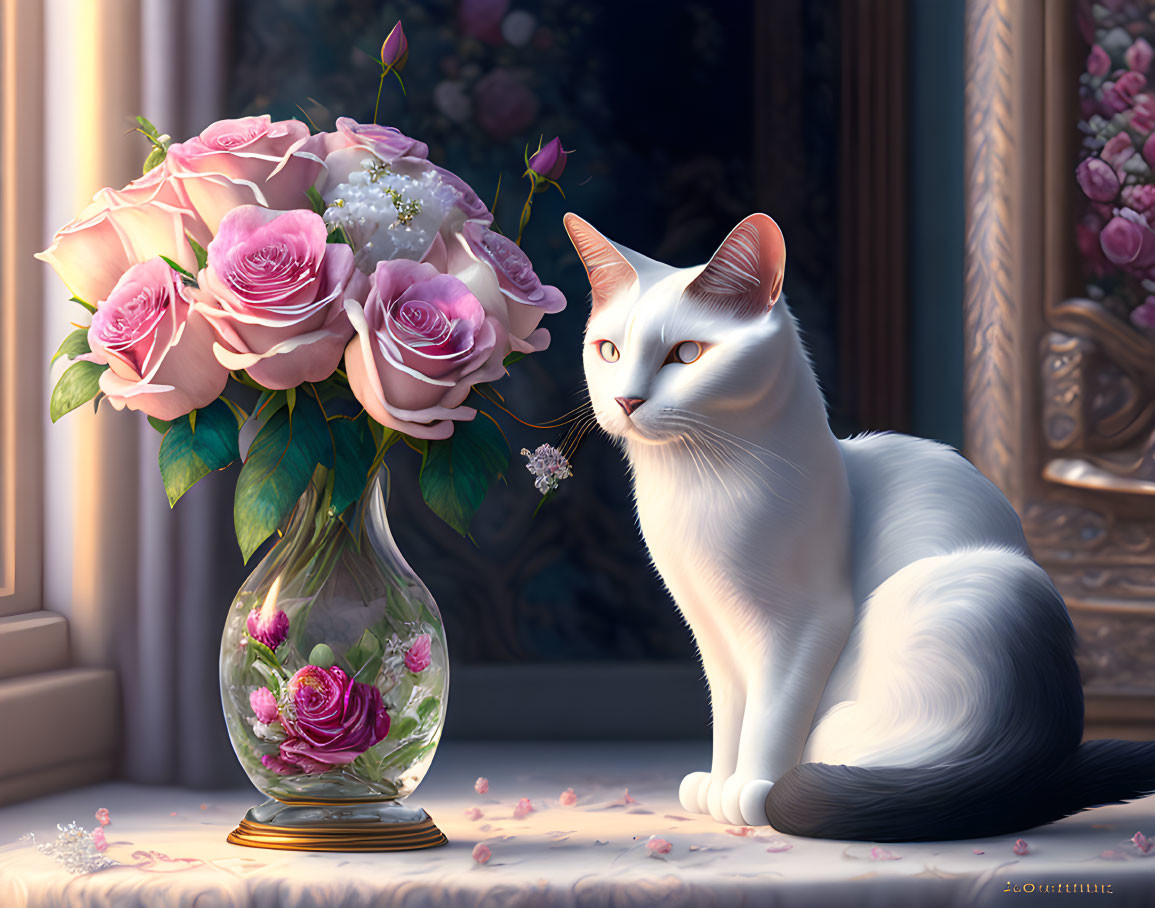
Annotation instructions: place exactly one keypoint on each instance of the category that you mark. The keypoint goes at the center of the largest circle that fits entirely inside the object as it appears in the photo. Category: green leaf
(147, 128)
(291, 399)
(279, 466)
(402, 728)
(194, 447)
(512, 358)
(353, 454)
(199, 251)
(155, 157)
(79, 384)
(159, 424)
(364, 657)
(179, 269)
(426, 709)
(238, 414)
(77, 299)
(457, 472)
(73, 346)
(315, 200)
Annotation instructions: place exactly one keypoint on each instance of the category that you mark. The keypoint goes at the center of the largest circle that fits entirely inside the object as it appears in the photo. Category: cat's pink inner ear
(745, 274)
(607, 269)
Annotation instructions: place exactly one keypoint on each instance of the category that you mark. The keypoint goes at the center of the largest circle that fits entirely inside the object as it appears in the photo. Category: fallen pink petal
(656, 845)
(481, 853)
(98, 839)
(1020, 847)
(102, 817)
(883, 854)
(474, 813)
(481, 786)
(779, 847)
(568, 798)
(979, 852)
(743, 831)
(1142, 842)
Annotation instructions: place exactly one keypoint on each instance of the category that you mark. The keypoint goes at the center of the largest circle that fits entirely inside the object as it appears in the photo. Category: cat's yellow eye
(686, 352)
(607, 351)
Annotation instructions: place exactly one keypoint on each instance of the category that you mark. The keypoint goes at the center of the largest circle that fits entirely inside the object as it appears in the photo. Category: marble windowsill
(171, 843)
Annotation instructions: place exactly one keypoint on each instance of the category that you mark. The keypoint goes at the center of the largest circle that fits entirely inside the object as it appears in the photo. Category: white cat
(885, 659)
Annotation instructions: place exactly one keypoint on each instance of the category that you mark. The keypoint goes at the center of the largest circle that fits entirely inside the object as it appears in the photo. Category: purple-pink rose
(503, 104)
(1097, 179)
(1098, 63)
(1143, 315)
(333, 720)
(1127, 243)
(256, 150)
(264, 705)
(274, 290)
(1141, 198)
(1118, 151)
(1139, 55)
(549, 160)
(268, 625)
(158, 349)
(1118, 95)
(423, 339)
(418, 656)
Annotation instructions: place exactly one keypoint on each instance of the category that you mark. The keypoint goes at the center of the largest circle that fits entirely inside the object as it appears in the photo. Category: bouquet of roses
(337, 289)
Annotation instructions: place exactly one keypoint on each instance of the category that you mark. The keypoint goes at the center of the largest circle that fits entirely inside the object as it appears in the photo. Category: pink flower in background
(1127, 243)
(1087, 239)
(1119, 95)
(1020, 847)
(523, 809)
(1097, 180)
(473, 813)
(1098, 63)
(481, 786)
(269, 625)
(1143, 114)
(503, 104)
(528, 299)
(1143, 316)
(568, 798)
(422, 341)
(481, 853)
(158, 349)
(102, 816)
(333, 720)
(256, 150)
(417, 657)
(1139, 55)
(1141, 841)
(1141, 198)
(264, 705)
(656, 846)
(274, 290)
(98, 839)
(1117, 151)
(549, 161)
(482, 18)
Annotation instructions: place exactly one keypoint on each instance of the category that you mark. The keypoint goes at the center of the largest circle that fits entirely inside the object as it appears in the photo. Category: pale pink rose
(481, 853)
(253, 149)
(657, 846)
(568, 798)
(418, 656)
(98, 839)
(527, 298)
(264, 705)
(102, 816)
(158, 349)
(473, 813)
(274, 290)
(481, 786)
(523, 809)
(423, 340)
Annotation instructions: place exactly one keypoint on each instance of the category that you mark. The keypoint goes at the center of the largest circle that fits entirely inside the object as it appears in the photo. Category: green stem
(380, 85)
(526, 211)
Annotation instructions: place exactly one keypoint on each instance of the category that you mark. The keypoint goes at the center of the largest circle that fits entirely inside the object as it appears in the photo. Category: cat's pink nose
(629, 404)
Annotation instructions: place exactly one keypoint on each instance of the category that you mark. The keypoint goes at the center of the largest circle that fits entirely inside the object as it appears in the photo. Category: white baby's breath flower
(549, 465)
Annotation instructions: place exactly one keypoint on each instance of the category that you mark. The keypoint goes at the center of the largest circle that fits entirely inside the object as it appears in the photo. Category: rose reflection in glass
(333, 665)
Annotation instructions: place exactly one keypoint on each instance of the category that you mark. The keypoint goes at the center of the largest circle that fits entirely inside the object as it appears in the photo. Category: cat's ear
(606, 267)
(745, 274)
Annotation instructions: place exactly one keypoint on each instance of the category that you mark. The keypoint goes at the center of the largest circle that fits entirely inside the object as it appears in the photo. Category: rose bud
(158, 349)
(395, 50)
(267, 625)
(264, 705)
(1097, 180)
(549, 162)
(418, 657)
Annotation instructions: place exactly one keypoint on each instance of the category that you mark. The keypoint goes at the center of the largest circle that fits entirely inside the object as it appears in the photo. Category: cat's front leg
(701, 792)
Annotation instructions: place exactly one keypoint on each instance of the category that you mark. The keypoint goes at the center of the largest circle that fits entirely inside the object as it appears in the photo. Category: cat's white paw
(752, 802)
(731, 801)
(693, 790)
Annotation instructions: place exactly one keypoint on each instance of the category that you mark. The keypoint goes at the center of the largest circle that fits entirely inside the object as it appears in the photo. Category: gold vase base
(351, 836)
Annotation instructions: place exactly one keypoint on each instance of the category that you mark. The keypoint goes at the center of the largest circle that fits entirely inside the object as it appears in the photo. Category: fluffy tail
(977, 798)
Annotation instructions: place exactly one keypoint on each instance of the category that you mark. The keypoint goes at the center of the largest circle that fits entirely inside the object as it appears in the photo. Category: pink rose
(422, 341)
(1139, 55)
(523, 809)
(273, 290)
(418, 656)
(481, 853)
(1126, 243)
(1097, 180)
(102, 816)
(333, 720)
(528, 299)
(268, 624)
(99, 842)
(264, 705)
(158, 349)
(386, 142)
(503, 104)
(481, 786)
(1098, 63)
(256, 150)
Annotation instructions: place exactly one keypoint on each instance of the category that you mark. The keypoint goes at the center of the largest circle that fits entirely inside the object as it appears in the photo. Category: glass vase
(334, 675)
